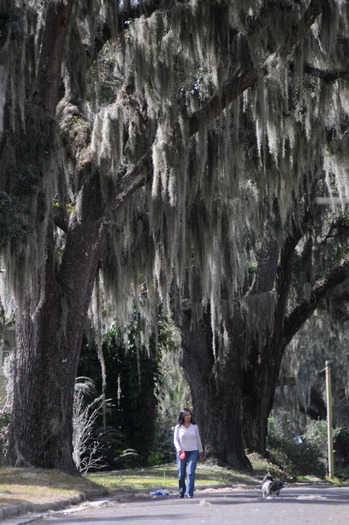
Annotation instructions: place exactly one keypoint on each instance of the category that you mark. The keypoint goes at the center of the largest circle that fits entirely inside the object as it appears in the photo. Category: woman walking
(187, 442)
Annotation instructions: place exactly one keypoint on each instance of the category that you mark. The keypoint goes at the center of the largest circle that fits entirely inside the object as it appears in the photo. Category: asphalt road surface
(297, 505)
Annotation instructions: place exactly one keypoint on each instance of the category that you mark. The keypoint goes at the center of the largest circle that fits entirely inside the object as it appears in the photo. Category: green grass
(165, 477)
(39, 486)
(46, 486)
(18, 485)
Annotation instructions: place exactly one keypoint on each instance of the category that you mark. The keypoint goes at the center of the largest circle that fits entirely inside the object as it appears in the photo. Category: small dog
(271, 488)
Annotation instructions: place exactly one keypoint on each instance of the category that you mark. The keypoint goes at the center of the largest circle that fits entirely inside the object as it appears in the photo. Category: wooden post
(329, 420)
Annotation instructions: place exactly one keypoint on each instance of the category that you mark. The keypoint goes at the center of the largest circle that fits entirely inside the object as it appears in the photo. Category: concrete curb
(27, 512)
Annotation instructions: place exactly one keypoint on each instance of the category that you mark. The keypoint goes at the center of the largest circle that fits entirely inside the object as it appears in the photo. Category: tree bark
(264, 361)
(214, 376)
(49, 337)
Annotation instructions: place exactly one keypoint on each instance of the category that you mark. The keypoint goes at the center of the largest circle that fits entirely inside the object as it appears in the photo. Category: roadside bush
(316, 434)
(5, 418)
(132, 381)
(164, 451)
(341, 454)
(297, 459)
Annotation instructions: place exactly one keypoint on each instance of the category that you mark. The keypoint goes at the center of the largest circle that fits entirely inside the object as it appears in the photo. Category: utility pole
(329, 420)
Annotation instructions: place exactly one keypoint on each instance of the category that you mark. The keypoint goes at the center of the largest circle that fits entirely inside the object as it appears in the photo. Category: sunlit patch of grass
(165, 477)
(137, 479)
(315, 479)
(36, 485)
(261, 466)
(43, 477)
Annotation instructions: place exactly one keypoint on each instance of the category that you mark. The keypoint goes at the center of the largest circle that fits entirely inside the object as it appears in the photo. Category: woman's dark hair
(182, 414)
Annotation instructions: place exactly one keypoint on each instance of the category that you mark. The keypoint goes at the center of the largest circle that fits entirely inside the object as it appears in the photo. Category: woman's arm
(176, 438)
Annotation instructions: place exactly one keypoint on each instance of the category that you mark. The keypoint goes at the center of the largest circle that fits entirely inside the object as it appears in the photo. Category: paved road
(296, 506)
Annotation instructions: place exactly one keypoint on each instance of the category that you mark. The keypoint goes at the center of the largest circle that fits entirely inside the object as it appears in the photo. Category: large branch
(315, 9)
(57, 20)
(132, 180)
(127, 13)
(235, 86)
(287, 254)
(326, 75)
(141, 173)
(284, 276)
(321, 288)
(58, 15)
(232, 88)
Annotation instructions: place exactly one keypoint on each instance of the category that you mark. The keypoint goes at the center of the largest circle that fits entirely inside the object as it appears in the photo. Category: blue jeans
(186, 472)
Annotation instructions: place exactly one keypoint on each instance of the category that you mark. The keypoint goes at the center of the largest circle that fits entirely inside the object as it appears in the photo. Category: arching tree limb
(319, 290)
(235, 86)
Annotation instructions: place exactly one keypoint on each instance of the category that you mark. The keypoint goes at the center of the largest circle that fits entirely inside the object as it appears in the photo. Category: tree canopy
(164, 145)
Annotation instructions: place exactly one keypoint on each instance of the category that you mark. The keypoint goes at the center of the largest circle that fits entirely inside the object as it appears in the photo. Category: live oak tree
(234, 385)
(205, 119)
(240, 348)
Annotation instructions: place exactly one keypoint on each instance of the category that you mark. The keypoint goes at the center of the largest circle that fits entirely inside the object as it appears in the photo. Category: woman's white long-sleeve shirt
(187, 438)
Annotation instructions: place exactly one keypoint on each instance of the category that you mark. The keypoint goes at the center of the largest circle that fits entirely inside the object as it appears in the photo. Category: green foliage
(316, 434)
(341, 454)
(174, 393)
(95, 447)
(310, 457)
(133, 381)
(5, 418)
(163, 443)
(297, 459)
(87, 452)
(136, 385)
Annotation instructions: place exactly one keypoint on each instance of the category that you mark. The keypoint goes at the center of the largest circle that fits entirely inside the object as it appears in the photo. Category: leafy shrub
(341, 454)
(316, 434)
(133, 382)
(164, 451)
(297, 459)
(5, 418)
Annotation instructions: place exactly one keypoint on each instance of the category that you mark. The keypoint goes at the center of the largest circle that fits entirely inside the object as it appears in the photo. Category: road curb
(27, 512)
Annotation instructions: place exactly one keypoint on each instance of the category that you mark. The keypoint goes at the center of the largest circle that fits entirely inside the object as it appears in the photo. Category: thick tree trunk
(261, 373)
(260, 382)
(45, 366)
(263, 317)
(214, 378)
(50, 327)
(267, 345)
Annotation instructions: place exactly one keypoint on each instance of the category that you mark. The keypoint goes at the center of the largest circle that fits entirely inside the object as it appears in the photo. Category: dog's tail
(267, 477)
